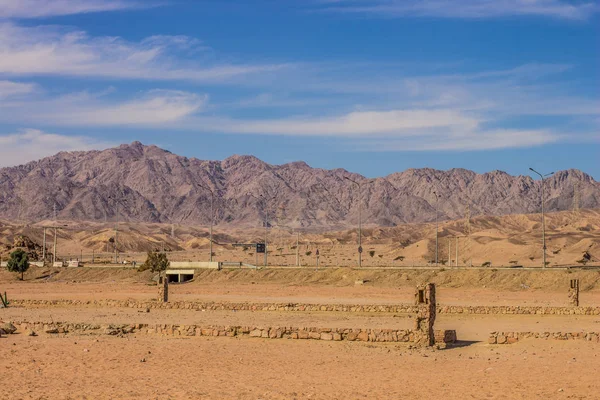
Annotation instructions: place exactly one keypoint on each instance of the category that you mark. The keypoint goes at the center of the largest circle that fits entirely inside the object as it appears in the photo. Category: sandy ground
(223, 368)
(105, 367)
(237, 292)
(468, 327)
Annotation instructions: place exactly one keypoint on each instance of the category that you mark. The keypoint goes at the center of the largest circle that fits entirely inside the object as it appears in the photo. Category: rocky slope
(153, 185)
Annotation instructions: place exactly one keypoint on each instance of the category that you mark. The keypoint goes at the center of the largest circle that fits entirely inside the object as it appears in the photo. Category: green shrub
(156, 261)
(371, 253)
(18, 262)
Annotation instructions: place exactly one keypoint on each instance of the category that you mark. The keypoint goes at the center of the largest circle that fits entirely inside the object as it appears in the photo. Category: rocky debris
(31, 333)
(514, 337)
(150, 181)
(8, 328)
(352, 308)
(314, 333)
(33, 249)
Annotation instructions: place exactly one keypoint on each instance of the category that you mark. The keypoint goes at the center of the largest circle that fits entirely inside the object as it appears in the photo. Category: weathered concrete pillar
(426, 312)
(574, 292)
(163, 288)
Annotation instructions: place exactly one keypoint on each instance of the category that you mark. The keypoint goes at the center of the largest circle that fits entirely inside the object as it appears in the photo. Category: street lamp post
(359, 221)
(543, 217)
(212, 217)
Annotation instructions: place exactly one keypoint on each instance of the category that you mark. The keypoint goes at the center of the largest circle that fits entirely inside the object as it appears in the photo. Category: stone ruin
(163, 288)
(574, 292)
(426, 312)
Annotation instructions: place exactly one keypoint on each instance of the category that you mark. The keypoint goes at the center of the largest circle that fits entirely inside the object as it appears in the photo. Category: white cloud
(50, 8)
(85, 109)
(398, 130)
(354, 124)
(9, 89)
(32, 144)
(474, 9)
(46, 50)
(468, 141)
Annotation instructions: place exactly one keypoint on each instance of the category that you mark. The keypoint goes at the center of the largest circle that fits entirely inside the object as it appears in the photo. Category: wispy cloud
(10, 89)
(32, 144)
(471, 9)
(354, 124)
(89, 109)
(398, 130)
(47, 50)
(476, 140)
(51, 8)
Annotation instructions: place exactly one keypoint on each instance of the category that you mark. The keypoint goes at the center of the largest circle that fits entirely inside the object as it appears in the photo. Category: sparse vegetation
(399, 258)
(155, 261)
(18, 262)
(487, 264)
(371, 253)
(308, 253)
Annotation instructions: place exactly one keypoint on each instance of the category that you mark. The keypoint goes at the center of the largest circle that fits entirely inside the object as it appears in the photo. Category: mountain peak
(159, 186)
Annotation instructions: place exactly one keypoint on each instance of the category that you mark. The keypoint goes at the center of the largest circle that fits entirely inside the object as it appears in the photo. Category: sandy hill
(505, 240)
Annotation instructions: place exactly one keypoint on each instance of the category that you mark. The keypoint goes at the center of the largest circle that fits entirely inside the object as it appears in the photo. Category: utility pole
(449, 251)
(436, 228)
(44, 249)
(54, 252)
(266, 230)
(266, 205)
(543, 217)
(468, 244)
(576, 198)
(297, 249)
(117, 234)
(212, 217)
(360, 249)
(456, 246)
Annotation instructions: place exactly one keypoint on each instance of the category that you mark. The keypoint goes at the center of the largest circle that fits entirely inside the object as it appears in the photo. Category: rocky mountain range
(141, 183)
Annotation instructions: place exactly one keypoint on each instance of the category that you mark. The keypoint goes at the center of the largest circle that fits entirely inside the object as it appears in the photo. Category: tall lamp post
(212, 217)
(543, 217)
(436, 227)
(359, 222)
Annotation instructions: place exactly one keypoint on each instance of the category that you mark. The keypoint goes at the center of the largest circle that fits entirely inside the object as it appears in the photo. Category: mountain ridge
(156, 185)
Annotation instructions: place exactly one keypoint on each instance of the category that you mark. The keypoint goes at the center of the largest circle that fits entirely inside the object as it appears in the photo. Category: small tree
(156, 261)
(18, 262)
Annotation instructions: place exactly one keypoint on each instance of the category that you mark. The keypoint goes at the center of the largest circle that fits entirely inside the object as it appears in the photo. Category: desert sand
(78, 366)
(573, 239)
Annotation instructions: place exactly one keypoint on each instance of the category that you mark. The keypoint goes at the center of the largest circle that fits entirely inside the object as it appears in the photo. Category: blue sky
(373, 86)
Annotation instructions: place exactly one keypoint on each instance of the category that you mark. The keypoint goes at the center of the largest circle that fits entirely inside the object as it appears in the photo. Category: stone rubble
(513, 337)
(283, 332)
(378, 308)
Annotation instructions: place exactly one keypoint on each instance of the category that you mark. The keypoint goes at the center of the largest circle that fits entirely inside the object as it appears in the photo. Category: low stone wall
(335, 334)
(513, 337)
(395, 308)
